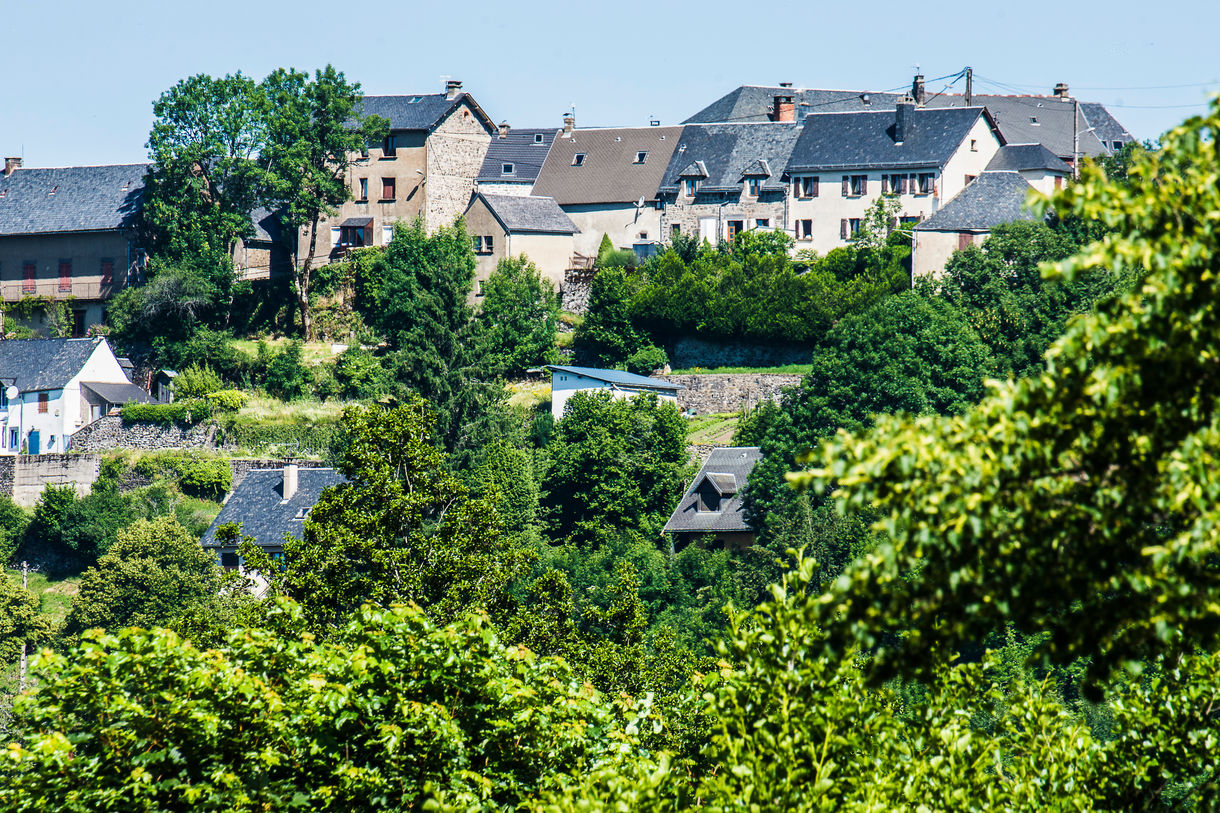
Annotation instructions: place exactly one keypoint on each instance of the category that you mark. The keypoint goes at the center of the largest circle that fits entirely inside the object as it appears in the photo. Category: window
(804, 230)
(353, 236)
(506, 169)
(482, 244)
(643, 235)
(44, 402)
(855, 186)
(364, 190)
(853, 226)
(970, 178)
(4, 398)
(894, 184)
(65, 276)
(762, 223)
(974, 145)
(107, 271)
(675, 230)
(926, 187)
(78, 324)
(735, 227)
(1034, 120)
(537, 138)
(28, 274)
(753, 186)
(641, 156)
(12, 438)
(334, 237)
(387, 235)
(805, 187)
(578, 160)
(690, 187)
(907, 222)
(389, 147)
(387, 189)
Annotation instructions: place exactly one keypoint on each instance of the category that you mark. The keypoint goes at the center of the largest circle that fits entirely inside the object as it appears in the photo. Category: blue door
(33, 441)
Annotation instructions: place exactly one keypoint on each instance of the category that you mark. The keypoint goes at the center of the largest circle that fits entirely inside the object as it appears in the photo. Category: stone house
(514, 159)
(606, 181)
(995, 197)
(49, 388)
(510, 225)
(567, 381)
(424, 168)
(843, 162)
(69, 234)
(727, 178)
(712, 508)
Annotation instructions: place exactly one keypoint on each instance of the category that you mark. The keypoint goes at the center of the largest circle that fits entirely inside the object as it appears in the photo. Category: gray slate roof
(521, 213)
(1106, 126)
(68, 199)
(519, 148)
(1045, 120)
(257, 505)
(119, 393)
(754, 103)
(609, 173)
(989, 200)
(1021, 157)
(731, 464)
(846, 141)
(618, 377)
(43, 364)
(418, 111)
(727, 153)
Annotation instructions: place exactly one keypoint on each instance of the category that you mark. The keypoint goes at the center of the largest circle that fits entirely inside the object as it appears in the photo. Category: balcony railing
(11, 291)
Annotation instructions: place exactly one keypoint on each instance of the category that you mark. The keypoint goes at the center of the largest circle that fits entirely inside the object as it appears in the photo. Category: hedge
(190, 411)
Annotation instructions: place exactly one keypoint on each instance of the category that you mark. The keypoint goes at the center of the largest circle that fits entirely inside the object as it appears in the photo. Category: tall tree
(315, 131)
(519, 317)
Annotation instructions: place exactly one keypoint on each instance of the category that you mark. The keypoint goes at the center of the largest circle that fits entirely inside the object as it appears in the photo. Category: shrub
(191, 411)
(196, 382)
(647, 359)
(227, 400)
(287, 376)
(208, 479)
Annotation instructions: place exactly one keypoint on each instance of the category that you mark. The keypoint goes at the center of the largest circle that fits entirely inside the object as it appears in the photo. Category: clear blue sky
(79, 77)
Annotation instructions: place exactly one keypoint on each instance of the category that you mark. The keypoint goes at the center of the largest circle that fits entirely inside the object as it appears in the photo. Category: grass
(314, 353)
(54, 597)
(786, 369)
(572, 320)
(265, 409)
(529, 394)
(563, 340)
(712, 430)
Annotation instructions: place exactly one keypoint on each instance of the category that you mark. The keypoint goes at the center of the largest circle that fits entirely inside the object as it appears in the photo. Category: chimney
(569, 124)
(1061, 91)
(783, 110)
(785, 84)
(917, 90)
(504, 128)
(291, 473)
(903, 113)
(11, 164)
(452, 88)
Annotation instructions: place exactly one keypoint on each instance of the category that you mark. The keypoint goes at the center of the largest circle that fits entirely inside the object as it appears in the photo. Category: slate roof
(753, 103)
(519, 148)
(1021, 157)
(729, 464)
(609, 173)
(419, 111)
(1045, 120)
(989, 200)
(43, 364)
(1106, 127)
(534, 214)
(258, 505)
(618, 377)
(69, 199)
(118, 393)
(728, 153)
(267, 228)
(846, 141)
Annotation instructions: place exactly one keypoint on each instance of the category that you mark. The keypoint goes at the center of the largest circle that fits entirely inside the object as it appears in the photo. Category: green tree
(80, 528)
(287, 377)
(14, 520)
(519, 317)
(20, 621)
(1079, 501)
(607, 335)
(154, 571)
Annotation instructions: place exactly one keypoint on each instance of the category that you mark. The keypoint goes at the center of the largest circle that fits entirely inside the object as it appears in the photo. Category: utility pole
(25, 582)
(969, 85)
(1075, 139)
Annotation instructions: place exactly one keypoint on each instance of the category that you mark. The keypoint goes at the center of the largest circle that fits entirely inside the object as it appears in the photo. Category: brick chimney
(11, 164)
(784, 110)
(504, 128)
(903, 114)
(1061, 91)
(569, 124)
(452, 88)
(917, 90)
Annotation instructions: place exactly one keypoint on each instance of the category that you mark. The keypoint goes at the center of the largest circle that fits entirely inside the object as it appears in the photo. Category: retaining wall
(692, 352)
(112, 432)
(23, 477)
(728, 392)
(574, 293)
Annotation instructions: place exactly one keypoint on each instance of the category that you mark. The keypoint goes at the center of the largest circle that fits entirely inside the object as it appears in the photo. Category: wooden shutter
(65, 275)
(844, 229)
(963, 239)
(846, 185)
(814, 191)
(29, 273)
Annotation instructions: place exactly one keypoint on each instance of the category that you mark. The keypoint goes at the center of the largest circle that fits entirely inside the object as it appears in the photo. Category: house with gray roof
(606, 180)
(514, 159)
(1040, 167)
(760, 103)
(995, 197)
(712, 510)
(511, 225)
(269, 505)
(424, 168)
(69, 233)
(566, 381)
(724, 179)
(843, 162)
(50, 388)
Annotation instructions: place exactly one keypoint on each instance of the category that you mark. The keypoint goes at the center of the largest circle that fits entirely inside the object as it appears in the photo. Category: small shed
(566, 381)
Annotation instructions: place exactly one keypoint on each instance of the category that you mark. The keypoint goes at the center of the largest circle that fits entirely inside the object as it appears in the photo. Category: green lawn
(787, 369)
(315, 353)
(54, 596)
(714, 429)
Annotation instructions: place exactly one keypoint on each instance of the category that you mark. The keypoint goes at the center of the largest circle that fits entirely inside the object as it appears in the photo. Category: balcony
(14, 290)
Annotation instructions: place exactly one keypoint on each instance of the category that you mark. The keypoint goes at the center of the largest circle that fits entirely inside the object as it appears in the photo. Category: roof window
(641, 156)
(506, 169)
(415, 100)
(1033, 119)
(537, 138)
(578, 160)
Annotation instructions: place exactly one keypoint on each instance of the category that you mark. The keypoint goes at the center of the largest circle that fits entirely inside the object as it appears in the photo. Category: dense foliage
(518, 318)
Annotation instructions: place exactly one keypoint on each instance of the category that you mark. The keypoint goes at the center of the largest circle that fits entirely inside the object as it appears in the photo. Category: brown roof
(609, 172)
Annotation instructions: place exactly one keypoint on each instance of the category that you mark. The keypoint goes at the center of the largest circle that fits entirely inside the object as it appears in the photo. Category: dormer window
(641, 156)
(690, 187)
(537, 138)
(578, 160)
(753, 186)
(414, 100)
(506, 169)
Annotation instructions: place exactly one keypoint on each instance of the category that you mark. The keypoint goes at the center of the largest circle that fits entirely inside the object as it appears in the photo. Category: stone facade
(23, 477)
(708, 216)
(456, 149)
(574, 292)
(112, 432)
(716, 393)
(692, 352)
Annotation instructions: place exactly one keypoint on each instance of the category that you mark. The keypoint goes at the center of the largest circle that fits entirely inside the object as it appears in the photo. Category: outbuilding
(567, 381)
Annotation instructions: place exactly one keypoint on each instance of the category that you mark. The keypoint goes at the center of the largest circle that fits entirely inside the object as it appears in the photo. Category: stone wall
(456, 149)
(574, 292)
(23, 477)
(239, 467)
(771, 207)
(112, 432)
(692, 352)
(707, 394)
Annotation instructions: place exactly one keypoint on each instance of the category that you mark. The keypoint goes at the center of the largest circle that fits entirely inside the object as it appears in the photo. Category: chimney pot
(452, 88)
(1061, 90)
(504, 128)
(783, 110)
(291, 474)
(917, 90)
(569, 124)
(11, 164)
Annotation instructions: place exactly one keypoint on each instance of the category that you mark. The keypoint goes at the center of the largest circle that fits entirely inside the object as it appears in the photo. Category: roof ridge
(87, 166)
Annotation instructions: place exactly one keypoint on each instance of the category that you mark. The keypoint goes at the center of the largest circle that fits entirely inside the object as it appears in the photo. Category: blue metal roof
(618, 377)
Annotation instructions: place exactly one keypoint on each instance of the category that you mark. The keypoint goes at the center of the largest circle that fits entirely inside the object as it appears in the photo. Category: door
(707, 230)
(34, 448)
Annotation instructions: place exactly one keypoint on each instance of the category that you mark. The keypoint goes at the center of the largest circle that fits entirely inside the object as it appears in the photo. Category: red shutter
(65, 275)
(815, 186)
(846, 185)
(963, 239)
(844, 229)
(29, 273)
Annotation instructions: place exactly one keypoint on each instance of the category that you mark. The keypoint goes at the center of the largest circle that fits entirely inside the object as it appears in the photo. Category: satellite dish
(640, 205)
(12, 393)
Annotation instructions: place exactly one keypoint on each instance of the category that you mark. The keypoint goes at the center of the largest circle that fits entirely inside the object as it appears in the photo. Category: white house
(49, 388)
(566, 381)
